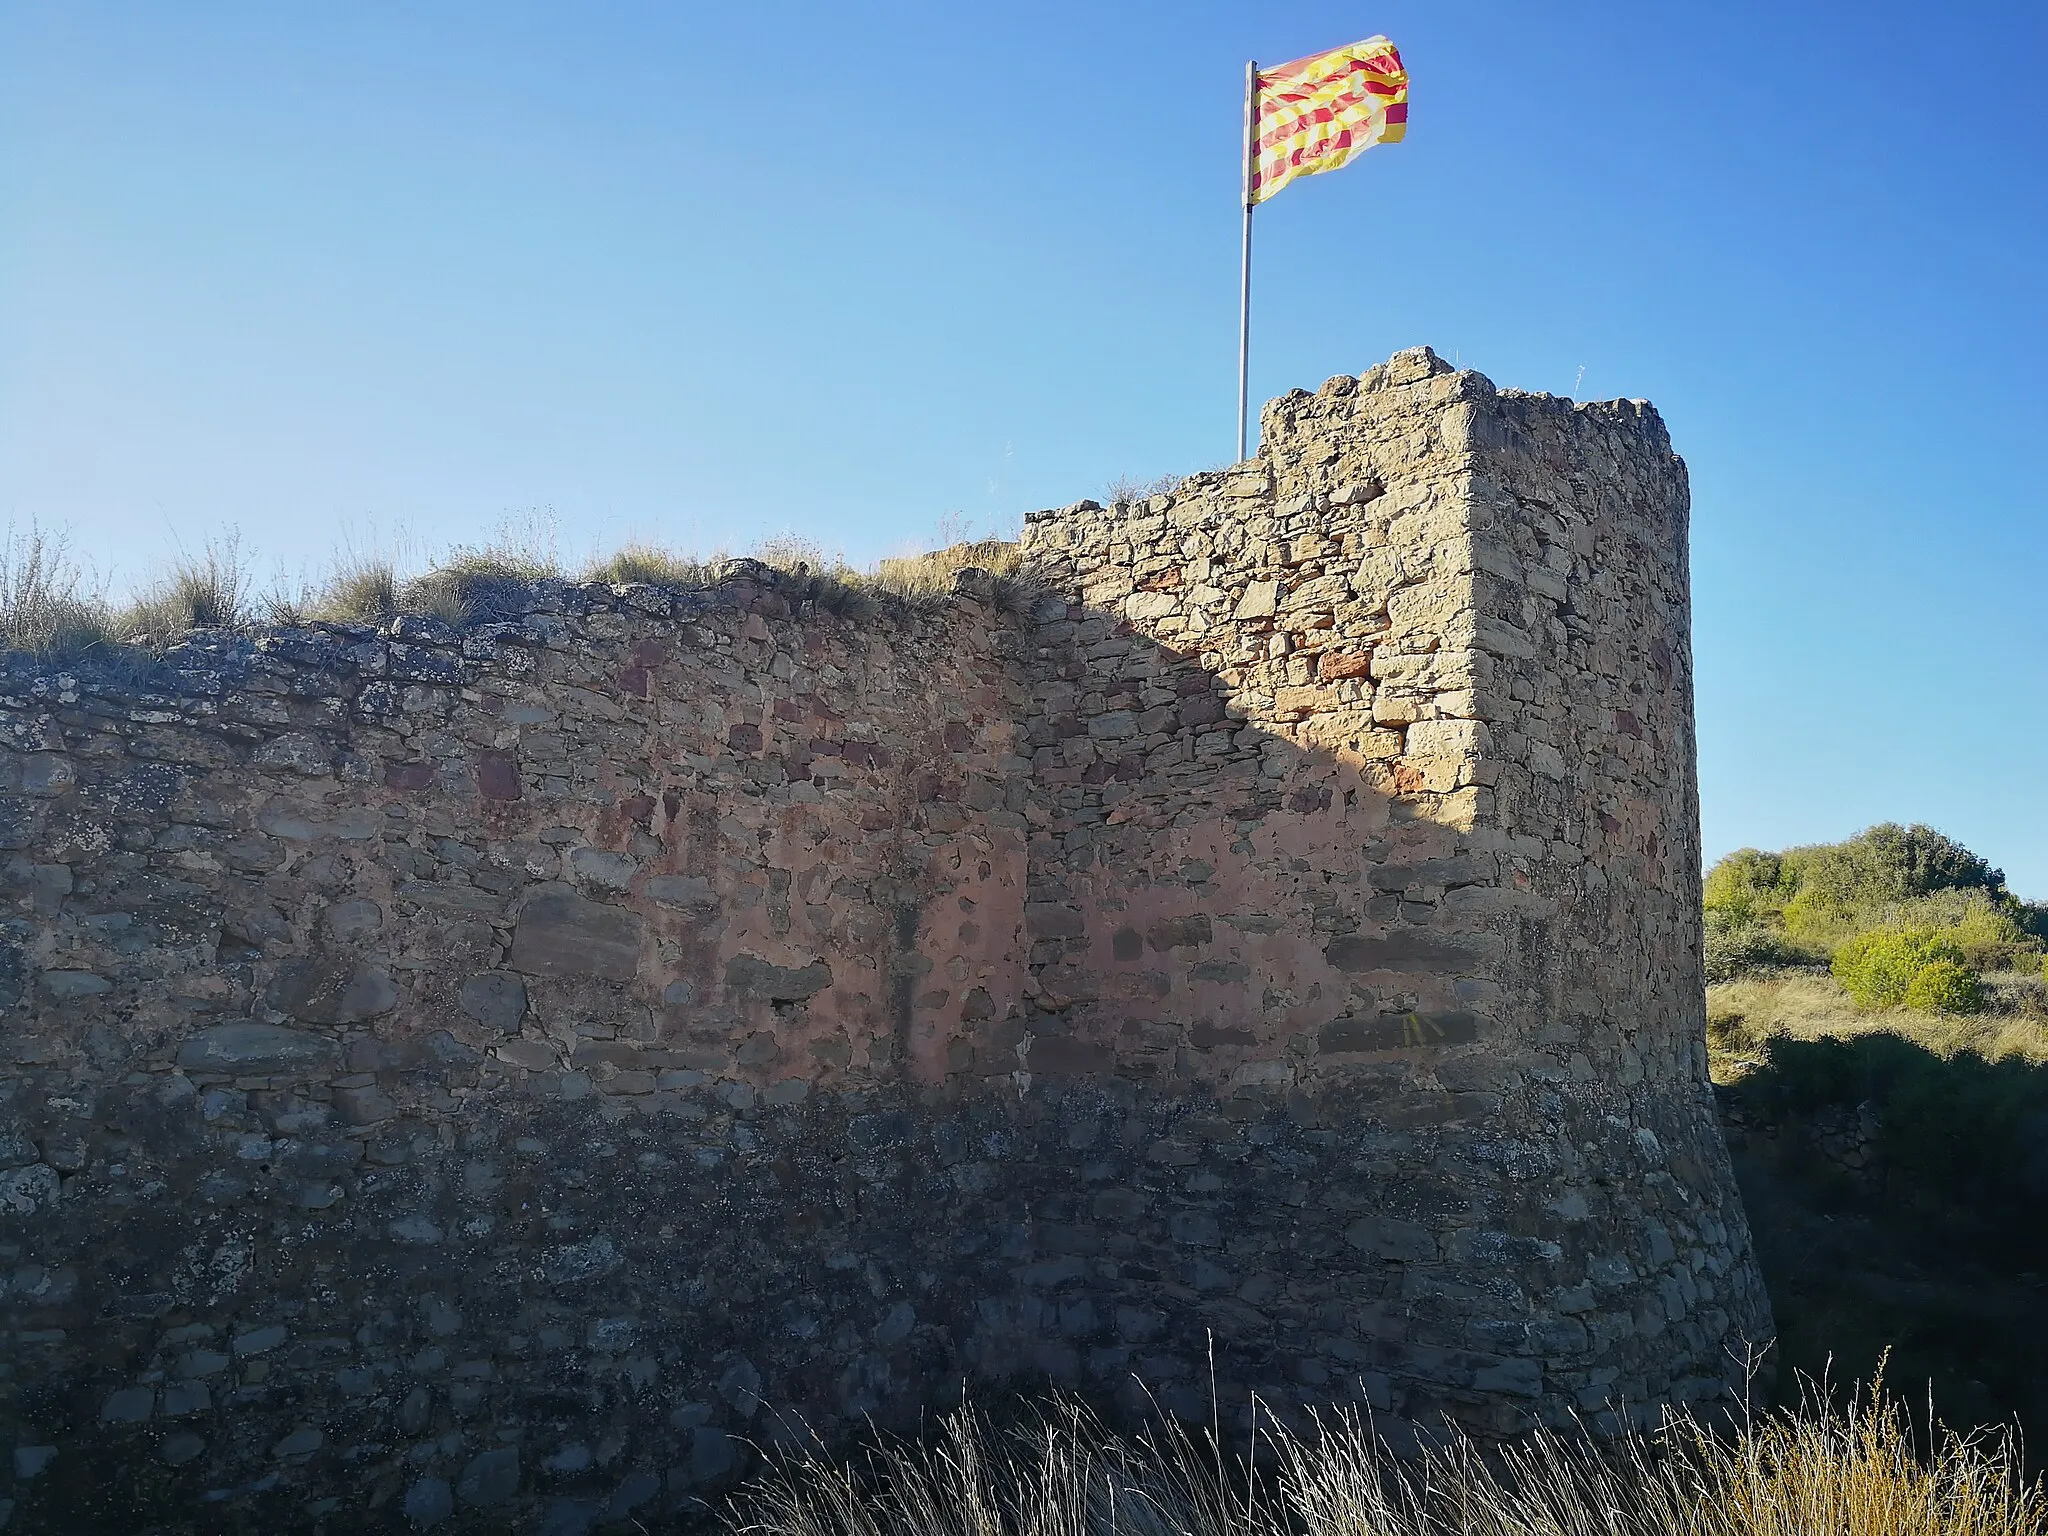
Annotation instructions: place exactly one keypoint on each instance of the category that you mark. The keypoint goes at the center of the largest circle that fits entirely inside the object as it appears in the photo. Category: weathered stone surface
(1261, 600)
(348, 921)
(676, 1017)
(130, 1405)
(1404, 1031)
(609, 871)
(429, 1501)
(346, 824)
(495, 999)
(1405, 949)
(260, 1048)
(681, 891)
(68, 986)
(332, 991)
(561, 933)
(497, 776)
(24, 1191)
(295, 752)
(750, 976)
(259, 1341)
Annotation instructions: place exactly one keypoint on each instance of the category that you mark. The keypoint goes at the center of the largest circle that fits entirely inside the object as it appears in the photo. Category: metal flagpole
(1244, 288)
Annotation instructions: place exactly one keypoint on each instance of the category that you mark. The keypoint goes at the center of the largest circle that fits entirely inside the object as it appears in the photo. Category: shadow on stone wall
(358, 1165)
(512, 1072)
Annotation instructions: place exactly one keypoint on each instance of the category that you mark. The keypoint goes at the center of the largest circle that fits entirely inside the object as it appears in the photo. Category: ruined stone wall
(491, 1076)
(1426, 870)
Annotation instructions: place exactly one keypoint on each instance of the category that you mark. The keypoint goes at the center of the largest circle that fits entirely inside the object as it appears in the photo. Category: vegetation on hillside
(1878, 1026)
(1901, 916)
(1849, 1469)
(1893, 1166)
(51, 607)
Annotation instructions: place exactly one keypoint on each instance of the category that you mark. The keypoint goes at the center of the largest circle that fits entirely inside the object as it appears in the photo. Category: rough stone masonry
(493, 1077)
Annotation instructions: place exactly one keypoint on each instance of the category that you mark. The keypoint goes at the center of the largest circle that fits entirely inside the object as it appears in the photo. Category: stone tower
(472, 1068)
(1371, 781)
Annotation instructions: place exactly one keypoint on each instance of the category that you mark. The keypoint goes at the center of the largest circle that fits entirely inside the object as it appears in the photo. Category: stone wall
(494, 1076)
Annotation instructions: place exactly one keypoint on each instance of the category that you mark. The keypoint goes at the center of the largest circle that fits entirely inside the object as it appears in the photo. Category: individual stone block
(253, 1047)
(490, 1479)
(495, 999)
(563, 933)
(327, 990)
(128, 1405)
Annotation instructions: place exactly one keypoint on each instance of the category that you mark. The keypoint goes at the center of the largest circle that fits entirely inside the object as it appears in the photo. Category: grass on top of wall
(1843, 1468)
(53, 609)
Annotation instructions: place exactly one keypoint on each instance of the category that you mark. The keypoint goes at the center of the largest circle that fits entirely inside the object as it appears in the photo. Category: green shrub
(1981, 925)
(1945, 986)
(1878, 967)
(1885, 904)
(2032, 917)
(1984, 929)
(1749, 886)
(1747, 948)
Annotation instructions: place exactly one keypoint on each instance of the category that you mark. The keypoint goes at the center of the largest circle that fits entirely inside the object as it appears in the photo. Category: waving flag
(1300, 118)
(1316, 113)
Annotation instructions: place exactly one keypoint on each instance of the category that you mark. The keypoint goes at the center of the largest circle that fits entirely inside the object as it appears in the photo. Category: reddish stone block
(497, 776)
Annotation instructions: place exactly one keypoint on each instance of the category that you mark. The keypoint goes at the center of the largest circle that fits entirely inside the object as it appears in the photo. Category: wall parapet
(519, 1065)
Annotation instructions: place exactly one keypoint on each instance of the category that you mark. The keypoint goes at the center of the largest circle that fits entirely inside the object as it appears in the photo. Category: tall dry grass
(210, 590)
(929, 578)
(650, 564)
(1849, 1470)
(50, 609)
(1744, 1016)
(1124, 489)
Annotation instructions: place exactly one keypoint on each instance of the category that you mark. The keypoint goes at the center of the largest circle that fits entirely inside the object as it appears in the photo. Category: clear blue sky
(702, 273)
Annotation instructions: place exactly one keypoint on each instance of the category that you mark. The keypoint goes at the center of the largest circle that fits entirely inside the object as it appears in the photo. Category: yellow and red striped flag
(1316, 113)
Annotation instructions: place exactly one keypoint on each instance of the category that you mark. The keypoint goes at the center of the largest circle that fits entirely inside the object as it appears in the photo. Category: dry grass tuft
(1851, 1470)
(814, 577)
(359, 587)
(927, 580)
(652, 565)
(208, 591)
(47, 606)
(1855, 1470)
(1744, 1016)
(481, 581)
(1125, 489)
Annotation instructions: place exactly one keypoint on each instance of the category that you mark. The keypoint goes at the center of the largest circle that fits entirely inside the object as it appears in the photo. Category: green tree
(1749, 886)
(1890, 863)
